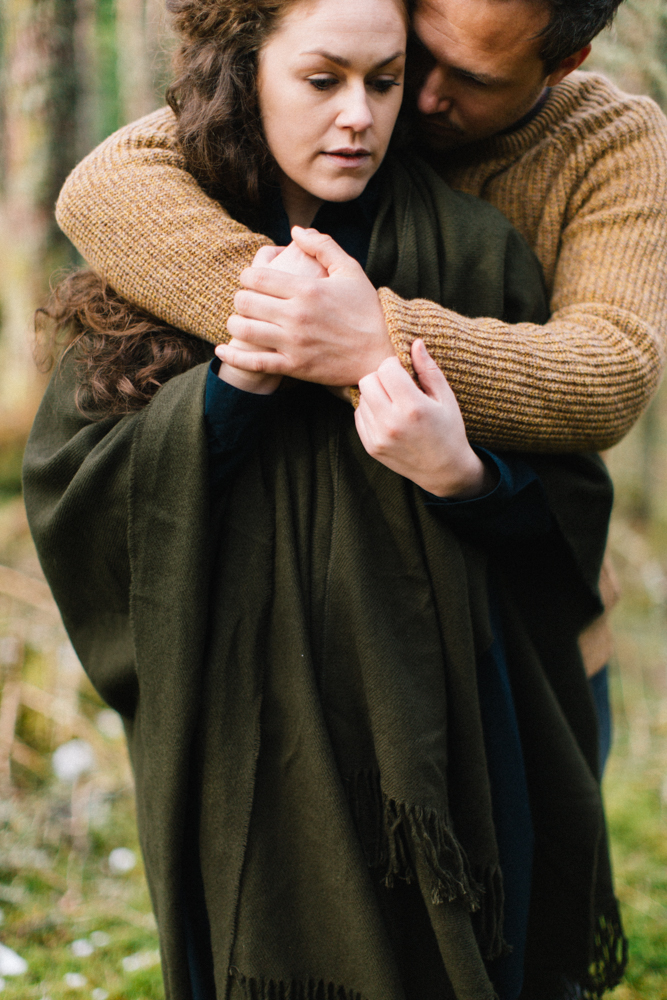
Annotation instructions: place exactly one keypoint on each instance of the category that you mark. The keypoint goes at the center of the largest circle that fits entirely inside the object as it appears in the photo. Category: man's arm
(578, 383)
(600, 230)
(138, 217)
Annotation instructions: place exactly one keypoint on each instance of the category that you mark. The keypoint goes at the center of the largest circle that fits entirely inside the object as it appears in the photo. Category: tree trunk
(39, 147)
(134, 64)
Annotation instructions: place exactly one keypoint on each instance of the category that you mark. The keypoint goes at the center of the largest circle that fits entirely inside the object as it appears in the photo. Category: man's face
(479, 70)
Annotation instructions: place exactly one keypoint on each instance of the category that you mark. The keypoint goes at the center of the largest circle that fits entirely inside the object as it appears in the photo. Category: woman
(294, 637)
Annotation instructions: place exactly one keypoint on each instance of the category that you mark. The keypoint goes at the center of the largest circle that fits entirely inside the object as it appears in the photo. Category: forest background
(75, 917)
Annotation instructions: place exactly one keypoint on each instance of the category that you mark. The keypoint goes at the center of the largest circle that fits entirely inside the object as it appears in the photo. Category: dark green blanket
(296, 659)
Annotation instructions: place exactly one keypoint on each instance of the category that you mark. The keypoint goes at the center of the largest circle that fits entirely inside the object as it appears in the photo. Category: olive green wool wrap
(295, 662)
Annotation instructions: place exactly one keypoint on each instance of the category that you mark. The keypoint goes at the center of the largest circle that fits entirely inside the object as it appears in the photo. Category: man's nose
(433, 97)
(355, 113)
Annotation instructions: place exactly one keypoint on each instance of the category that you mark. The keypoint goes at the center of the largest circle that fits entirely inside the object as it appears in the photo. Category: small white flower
(100, 939)
(99, 994)
(73, 759)
(122, 860)
(2, 983)
(11, 964)
(68, 661)
(82, 948)
(75, 980)
(109, 724)
(140, 960)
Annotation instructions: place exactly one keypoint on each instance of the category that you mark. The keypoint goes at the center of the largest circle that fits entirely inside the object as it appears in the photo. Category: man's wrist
(372, 361)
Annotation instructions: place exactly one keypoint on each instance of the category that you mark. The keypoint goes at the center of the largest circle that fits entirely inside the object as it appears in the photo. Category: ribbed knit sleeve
(138, 217)
(585, 183)
(577, 384)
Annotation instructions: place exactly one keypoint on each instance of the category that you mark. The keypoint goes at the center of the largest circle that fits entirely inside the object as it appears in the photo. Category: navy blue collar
(349, 223)
(528, 117)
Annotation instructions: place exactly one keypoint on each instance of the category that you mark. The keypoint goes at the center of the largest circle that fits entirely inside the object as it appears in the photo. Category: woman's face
(330, 86)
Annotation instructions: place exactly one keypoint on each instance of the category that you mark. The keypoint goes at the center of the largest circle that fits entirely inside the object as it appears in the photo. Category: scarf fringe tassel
(610, 955)
(389, 831)
(270, 989)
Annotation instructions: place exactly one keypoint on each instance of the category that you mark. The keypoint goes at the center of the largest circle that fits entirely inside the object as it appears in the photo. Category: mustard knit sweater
(585, 182)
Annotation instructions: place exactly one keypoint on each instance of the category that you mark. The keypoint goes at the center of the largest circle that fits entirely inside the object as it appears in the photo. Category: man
(577, 166)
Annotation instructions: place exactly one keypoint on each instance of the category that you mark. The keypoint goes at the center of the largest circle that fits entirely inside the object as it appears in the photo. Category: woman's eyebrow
(345, 63)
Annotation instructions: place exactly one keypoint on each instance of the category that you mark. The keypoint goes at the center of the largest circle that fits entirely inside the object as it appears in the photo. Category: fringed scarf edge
(389, 831)
(272, 989)
(610, 954)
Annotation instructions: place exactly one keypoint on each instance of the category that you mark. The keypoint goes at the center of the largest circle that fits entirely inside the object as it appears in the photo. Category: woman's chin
(343, 188)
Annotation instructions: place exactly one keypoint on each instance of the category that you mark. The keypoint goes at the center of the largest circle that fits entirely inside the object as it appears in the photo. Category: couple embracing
(346, 640)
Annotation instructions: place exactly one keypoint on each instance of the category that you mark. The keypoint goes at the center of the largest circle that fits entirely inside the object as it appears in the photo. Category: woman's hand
(330, 331)
(420, 435)
(289, 260)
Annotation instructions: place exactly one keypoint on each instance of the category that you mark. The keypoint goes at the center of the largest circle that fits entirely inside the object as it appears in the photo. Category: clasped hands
(332, 331)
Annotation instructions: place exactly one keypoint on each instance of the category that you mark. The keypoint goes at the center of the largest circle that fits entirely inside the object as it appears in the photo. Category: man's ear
(567, 66)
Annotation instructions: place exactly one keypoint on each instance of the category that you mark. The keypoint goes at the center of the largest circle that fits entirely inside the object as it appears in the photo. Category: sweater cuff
(406, 320)
(400, 323)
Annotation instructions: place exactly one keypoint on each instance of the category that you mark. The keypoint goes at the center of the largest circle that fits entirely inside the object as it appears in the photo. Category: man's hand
(420, 435)
(330, 331)
(291, 260)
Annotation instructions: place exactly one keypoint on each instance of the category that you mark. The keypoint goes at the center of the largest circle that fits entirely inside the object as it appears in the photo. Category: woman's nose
(355, 113)
(433, 96)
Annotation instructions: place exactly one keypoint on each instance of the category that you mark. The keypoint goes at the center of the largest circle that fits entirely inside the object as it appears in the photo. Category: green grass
(639, 840)
(53, 892)
(636, 781)
(11, 458)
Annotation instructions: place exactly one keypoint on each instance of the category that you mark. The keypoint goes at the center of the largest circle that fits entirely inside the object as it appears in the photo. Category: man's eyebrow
(470, 74)
(345, 63)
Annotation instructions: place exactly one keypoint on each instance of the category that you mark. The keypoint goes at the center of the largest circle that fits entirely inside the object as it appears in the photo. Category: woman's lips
(348, 157)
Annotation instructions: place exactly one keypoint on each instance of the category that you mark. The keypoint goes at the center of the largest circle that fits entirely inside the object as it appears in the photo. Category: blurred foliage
(634, 51)
(71, 71)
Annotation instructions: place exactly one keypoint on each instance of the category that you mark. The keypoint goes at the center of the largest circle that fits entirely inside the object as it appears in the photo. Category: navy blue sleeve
(233, 421)
(516, 507)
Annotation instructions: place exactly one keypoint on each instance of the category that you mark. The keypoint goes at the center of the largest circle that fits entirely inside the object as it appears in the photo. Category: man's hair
(572, 25)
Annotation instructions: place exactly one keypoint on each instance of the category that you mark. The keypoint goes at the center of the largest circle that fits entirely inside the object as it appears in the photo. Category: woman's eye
(382, 85)
(322, 82)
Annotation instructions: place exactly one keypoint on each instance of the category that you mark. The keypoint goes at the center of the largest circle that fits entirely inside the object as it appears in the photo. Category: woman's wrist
(255, 382)
(474, 478)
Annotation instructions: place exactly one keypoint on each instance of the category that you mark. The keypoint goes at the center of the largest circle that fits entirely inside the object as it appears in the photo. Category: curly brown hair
(215, 99)
(123, 353)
